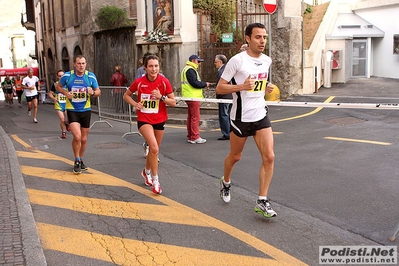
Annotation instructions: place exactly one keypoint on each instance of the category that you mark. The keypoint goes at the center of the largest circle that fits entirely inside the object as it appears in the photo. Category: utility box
(336, 63)
(328, 63)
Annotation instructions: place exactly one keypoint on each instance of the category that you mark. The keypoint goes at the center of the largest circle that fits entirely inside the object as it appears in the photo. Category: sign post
(270, 7)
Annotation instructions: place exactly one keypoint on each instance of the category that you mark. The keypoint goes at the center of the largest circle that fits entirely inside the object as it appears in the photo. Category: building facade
(358, 39)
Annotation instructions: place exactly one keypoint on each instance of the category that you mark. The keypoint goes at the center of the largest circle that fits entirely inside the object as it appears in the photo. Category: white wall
(10, 25)
(385, 63)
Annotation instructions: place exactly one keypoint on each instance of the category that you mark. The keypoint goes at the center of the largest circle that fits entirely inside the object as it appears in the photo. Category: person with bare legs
(78, 85)
(30, 84)
(154, 92)
(59, 105)
(248, 72)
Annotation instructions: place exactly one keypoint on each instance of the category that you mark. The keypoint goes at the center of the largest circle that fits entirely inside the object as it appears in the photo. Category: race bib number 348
(78, 94)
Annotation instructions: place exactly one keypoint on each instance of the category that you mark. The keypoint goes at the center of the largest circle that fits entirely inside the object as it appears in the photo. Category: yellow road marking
(122, 251)
(176, 208)
(360, 140)
(112, 208)
(329, 99)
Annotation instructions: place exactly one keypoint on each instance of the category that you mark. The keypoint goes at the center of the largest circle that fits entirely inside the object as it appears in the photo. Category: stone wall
(286, 51)
(115, 47)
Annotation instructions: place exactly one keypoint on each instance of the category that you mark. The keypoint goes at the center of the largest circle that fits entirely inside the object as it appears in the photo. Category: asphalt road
(335, 183)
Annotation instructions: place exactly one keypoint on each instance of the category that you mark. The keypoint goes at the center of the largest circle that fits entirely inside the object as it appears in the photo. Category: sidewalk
(19, 240)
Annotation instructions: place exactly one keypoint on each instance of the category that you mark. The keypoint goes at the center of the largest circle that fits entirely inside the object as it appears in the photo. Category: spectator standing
(154, 92)
(248, 72)
(42, 90)
(30, 84)
(118, 80)
(140, 70)
(60, 105)
(224, 108)
(18, 89)
(192, 88)
(78, 85)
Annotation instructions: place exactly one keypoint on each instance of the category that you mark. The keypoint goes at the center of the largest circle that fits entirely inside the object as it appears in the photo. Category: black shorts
(30, 98)
(160, 126)
(8, 91)
(83, 118)
(246, 129)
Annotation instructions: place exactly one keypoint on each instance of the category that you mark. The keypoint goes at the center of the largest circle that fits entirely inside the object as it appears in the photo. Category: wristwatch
(163, 98)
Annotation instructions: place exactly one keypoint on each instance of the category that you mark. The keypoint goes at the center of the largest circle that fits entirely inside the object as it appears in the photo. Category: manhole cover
(110, 145)
(343, 121)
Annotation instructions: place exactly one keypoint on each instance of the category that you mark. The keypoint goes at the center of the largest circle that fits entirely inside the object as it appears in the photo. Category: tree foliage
(111, 17)
(222, 14)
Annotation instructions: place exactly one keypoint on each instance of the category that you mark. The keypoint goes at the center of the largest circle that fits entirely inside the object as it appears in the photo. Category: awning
(350, 25)
(18, 71)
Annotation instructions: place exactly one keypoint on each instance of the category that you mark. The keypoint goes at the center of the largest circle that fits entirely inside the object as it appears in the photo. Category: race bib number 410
(150, 104)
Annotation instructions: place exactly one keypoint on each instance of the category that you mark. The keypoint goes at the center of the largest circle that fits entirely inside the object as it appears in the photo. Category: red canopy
(18, 71)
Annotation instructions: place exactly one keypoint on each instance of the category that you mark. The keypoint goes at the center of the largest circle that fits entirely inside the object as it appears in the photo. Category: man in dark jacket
(224, 108)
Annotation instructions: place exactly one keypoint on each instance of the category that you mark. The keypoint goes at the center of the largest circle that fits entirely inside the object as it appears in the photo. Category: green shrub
(222, 14)
(111, 17)
(308, 9)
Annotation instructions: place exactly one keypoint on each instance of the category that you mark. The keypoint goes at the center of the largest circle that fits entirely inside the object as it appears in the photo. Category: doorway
(359, 58)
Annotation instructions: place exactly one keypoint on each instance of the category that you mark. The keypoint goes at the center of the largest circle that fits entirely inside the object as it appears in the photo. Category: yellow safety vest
(187, 90)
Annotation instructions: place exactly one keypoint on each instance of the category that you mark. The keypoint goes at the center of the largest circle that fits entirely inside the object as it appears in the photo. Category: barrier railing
(111, 106)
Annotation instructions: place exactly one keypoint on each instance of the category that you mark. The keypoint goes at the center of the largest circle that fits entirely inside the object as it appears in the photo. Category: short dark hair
(248, 29)
(149, 57)
(79, 56)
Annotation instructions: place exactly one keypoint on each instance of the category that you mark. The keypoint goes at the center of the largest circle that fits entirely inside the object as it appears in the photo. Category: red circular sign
(270, 6)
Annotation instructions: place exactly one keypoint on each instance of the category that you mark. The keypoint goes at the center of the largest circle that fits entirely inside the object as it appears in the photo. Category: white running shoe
(156, 187)
(197, 141)
(224, 191)
(147, 178)
(264, 208)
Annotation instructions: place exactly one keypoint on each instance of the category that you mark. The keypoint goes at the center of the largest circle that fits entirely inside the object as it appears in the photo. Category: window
(43, 11)
(76, 12)
(49, 15)
(62, 14)
(396, 44)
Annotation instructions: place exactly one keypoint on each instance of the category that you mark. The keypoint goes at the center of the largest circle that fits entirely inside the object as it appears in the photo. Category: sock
(155, 178)
(262, 198)
(226, 183)
(77, 159)
(147, 172)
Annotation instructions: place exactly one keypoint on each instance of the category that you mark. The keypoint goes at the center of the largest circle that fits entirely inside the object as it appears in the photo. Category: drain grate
(110, 145)
(343, 121)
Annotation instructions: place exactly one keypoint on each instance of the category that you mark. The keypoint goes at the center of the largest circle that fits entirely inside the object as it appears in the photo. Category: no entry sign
(270, 6)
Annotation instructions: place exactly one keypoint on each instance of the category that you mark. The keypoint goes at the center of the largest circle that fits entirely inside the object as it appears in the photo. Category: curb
(32, 247)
